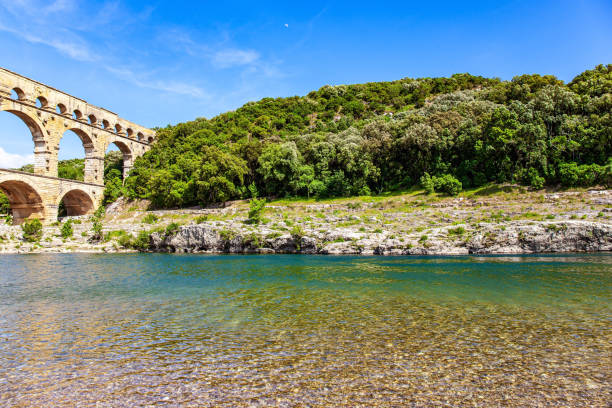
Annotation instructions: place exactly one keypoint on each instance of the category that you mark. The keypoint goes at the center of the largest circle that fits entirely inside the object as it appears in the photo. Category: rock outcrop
(494, 238)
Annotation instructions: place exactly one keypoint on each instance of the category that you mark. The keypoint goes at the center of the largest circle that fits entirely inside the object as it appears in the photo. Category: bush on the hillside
(574, 175)
(150, 218)
(427, 182)
(256, 208)
(32, 230)
(172, 229)
(141, 242)
(96, 227)
(5, 205)
(445, 183)
(66, 230)
(535, 180)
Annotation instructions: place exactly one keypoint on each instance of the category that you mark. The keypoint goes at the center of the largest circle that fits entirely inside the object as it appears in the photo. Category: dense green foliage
(113, 177)
(362, 139)
(96, 225)
(32, 230)
(66, 230)
(445, 183)
(256, 207)
(5, 206)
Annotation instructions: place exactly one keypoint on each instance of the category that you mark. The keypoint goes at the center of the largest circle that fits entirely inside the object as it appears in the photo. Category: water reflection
(119, 330)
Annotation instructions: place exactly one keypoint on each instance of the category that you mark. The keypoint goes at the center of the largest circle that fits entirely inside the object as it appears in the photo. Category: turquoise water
(196, 330)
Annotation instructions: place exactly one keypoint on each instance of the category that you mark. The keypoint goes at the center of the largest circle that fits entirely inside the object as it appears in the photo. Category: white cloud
(13, 161)
(234, 57)
(160, 85)
(63, 41)
(74, 49)
(59, 5)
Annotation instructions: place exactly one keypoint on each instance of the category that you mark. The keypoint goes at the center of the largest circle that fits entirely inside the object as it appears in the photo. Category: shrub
(573, 175)
(297, 233)
(96, 229)
(32, 230)
(125, 241)
(100, 212)
(201, 218)
(227, 234)
(114, 234)
(253, 190)
(441, 184)
(66, 229)
(456, 231)
(447, 184)
(172, 229)
(534, 179)
(255, 210)
(427, 183)
(150, 219)
(141, 242)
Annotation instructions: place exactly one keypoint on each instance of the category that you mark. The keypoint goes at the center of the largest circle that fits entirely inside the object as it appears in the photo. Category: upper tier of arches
(40, 96)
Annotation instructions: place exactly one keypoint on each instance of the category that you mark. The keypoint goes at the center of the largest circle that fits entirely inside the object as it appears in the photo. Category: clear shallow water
(170, 330)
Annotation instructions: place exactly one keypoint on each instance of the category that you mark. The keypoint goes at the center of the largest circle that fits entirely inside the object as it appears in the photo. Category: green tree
(279, 165)
(5, 205)
(219, 176)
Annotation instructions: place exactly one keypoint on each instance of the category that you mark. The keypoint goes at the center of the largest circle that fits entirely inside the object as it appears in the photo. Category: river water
(199, 330)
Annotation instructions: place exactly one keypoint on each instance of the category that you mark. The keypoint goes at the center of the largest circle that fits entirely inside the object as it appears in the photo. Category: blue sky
(160, 62)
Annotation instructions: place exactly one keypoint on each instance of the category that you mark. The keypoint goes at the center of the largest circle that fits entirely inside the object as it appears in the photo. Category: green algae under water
(199, 330)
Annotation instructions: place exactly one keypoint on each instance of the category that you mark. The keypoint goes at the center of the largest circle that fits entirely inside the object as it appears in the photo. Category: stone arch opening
(41, 102)
(120, 158)
(61, 109)
(140, 137)
(17, 94)
(23, 200)
(75, 165)
(130, 133)
(75, 202)
(105, 124)
(77, 114)
(18, 141)
(92, 120)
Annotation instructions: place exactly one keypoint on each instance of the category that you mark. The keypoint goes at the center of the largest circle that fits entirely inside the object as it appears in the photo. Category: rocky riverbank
(499, 220)
(505, 238)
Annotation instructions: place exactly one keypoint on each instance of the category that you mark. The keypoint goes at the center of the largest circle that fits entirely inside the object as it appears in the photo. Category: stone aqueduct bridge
(49, 113)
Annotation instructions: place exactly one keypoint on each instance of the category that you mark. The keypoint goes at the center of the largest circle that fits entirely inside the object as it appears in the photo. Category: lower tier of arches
(34, 196)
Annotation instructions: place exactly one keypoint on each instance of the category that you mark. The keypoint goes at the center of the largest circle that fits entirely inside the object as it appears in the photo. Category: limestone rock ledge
(515, 237)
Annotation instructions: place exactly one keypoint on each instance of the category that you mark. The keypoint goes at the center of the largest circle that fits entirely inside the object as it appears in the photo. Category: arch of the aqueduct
(49, 113)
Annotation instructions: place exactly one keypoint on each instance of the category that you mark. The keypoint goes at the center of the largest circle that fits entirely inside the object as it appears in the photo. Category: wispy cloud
(220, 56)
(26, 23)
(233, 57)
(13, 161)
(75, 48)
(166, 86)
(59, 5)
